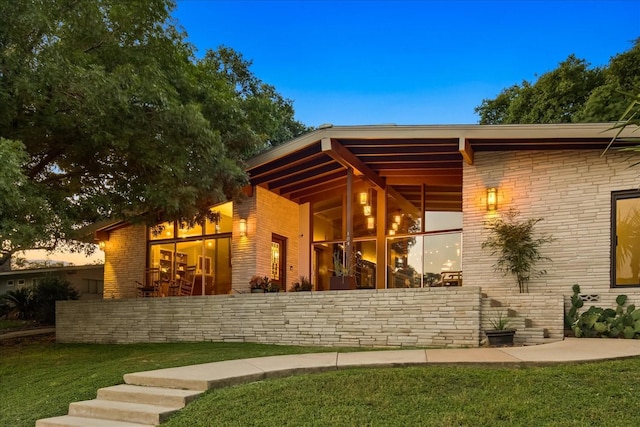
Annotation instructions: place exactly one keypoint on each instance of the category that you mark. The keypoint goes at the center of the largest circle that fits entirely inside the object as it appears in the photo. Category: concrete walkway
(148, 398)
(27, 333)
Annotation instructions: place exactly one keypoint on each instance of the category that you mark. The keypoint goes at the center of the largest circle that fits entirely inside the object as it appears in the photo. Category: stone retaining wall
(442, 317)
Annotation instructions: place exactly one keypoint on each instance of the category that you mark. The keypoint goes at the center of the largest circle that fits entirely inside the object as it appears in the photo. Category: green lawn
(40, 379)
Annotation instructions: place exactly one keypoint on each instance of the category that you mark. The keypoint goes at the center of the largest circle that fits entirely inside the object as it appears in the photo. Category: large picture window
(199, 255)
(625, 238)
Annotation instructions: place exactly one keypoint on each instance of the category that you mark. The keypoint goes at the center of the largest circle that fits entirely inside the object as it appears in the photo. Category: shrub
(45, 295)
(20, 304)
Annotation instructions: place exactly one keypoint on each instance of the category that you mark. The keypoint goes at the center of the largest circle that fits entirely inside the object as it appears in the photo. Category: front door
(279, 261)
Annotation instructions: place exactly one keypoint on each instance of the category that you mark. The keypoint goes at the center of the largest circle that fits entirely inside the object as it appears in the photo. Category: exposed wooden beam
(466, 150)
(428, 180)
(343, 156)
(324, 179)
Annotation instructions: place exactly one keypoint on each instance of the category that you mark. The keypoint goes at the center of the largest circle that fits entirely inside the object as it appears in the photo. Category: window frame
(615, 197)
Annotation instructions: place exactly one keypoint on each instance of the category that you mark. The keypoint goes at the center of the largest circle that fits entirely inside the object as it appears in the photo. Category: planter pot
(501, 338)
(257, 291)
(341, 283)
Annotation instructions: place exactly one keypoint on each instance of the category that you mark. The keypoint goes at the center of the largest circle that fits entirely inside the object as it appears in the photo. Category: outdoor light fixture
(492, 199)
(102, 244)
(243, 228)
(364, 198)
(371, 223)
(392, 232)
(367, 210)
(394, 226)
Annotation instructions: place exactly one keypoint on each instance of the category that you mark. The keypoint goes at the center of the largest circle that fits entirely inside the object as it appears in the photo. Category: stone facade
(439, 317)
(571, 191)
(266, 214)
(124, 261)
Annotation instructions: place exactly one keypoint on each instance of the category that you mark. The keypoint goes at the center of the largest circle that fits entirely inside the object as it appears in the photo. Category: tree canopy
(106, 113)
(573, 92)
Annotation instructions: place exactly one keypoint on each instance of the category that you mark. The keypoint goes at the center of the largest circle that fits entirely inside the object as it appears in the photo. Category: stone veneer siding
(266, 213)
(124, 262)
(372, 318)
(571, 191)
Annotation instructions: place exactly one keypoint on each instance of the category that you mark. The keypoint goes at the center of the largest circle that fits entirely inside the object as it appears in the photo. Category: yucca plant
(517, 249)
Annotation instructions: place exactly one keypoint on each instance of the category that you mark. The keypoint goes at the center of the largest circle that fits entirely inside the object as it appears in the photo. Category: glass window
(626, 238)
(438, 221)
(404, 262)
(164, 230)
(220, 219)
(364, 205)
(328, 221)
(404, 210)
(365, 264)
(190, 256)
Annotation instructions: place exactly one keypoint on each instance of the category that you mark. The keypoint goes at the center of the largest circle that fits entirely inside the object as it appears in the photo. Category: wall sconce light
(371, 223)
(102, 244)
(364, 198)
(367, 210)
(243, 228)
(492, 199)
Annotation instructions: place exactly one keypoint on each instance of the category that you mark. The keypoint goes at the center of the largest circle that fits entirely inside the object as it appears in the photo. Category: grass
(40, 380)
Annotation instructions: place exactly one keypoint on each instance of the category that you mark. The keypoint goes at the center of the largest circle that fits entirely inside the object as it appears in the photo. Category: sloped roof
(313, 165)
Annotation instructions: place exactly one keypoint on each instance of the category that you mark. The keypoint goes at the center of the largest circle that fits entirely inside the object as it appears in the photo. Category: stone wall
(124, 261)
(439, 317)
(571, 191)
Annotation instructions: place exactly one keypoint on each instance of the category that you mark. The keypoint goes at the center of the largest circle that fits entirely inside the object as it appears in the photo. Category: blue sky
(406, 62)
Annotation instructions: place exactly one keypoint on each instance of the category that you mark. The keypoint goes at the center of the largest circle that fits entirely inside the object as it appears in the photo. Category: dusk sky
(403, 62)
(406, 62)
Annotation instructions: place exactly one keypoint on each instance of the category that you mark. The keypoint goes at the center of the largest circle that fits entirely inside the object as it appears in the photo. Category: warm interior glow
(392, 232)
(492, 199)
(367, 210)
(397, 218)
(243, 227)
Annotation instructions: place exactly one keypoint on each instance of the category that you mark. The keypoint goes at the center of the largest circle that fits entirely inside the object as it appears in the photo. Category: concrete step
(69, 421)
(121, 411)
(149, 395)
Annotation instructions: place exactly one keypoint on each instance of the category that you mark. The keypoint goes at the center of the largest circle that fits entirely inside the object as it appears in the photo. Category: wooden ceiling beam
(299, 177)
(466, 150)
(343, 156)
(311, 184)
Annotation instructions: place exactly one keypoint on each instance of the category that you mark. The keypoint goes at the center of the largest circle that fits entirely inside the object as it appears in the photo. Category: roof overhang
(313, 165)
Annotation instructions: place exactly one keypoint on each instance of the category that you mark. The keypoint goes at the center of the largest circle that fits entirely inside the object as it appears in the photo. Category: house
(86, 279)
(406, 208)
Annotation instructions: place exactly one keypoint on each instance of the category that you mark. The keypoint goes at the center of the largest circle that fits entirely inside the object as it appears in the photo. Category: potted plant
(517, 249)
(259, 284)
(501, 334)
(343, 276)
(302, 285)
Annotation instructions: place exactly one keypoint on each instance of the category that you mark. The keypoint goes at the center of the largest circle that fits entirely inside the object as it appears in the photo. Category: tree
(111, 116)
(571, 93)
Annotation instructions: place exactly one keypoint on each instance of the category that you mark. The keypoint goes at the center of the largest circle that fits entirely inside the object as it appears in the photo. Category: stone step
(148, 395)
(531, 336)
(121, 411)
(69, 421)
